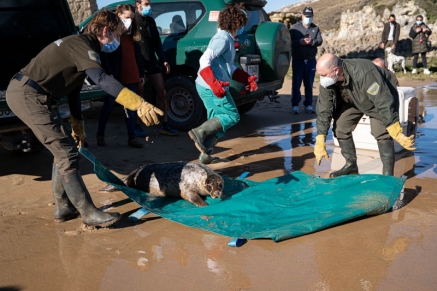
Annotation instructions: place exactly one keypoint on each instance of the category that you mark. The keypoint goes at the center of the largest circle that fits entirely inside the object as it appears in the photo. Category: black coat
(419, 39)
(150, 40)
(302, 52)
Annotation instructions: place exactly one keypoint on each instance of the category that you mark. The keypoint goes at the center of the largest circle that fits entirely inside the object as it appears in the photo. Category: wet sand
(393, 251)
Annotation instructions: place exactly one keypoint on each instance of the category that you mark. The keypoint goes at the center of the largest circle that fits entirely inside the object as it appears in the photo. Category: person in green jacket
(348, 90)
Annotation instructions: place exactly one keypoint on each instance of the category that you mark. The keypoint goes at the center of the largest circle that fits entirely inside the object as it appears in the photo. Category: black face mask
(393, 22)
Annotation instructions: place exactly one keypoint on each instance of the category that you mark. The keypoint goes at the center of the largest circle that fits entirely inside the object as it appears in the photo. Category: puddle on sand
(425, 156)
(295, 140)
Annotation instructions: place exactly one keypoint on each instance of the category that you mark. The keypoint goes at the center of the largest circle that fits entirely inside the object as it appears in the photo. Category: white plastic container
(408, 116)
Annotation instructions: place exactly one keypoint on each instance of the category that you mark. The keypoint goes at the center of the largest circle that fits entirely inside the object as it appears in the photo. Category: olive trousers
(41, 115)
(346, 120)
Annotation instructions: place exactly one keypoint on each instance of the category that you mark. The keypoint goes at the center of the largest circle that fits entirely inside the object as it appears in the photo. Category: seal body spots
(188, 180)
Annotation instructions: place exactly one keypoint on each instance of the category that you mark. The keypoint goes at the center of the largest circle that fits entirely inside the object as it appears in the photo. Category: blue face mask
(111, 46)
(419, 22)
(240, 31)
(308, 20)
(146, 10)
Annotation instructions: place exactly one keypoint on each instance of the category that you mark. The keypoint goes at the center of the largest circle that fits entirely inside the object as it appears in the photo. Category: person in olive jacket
(420, 33)
(59, 70)
(348, 90)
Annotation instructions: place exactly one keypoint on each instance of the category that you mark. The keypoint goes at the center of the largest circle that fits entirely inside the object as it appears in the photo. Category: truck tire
(185, 108)
(244, 108)
(35, 145)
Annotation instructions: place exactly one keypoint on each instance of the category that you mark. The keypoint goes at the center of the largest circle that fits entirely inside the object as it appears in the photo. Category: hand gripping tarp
(280, 208)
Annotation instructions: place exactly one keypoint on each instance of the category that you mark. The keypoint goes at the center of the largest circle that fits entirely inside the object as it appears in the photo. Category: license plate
(253, 70)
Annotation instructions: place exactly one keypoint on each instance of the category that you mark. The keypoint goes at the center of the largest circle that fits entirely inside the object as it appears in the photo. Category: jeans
(302, 70)
(105, 113)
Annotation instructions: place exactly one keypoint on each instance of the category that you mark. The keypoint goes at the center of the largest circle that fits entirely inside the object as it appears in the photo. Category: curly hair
(232, 17)
(136, 35)
(102, 19)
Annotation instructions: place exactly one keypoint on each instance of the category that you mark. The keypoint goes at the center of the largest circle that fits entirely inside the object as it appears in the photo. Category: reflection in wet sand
(297, 145)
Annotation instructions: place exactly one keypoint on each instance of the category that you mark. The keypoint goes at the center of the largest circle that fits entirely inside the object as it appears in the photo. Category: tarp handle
(237, 242)
(138, 214)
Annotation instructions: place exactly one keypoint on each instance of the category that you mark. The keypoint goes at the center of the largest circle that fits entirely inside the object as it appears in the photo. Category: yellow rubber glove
(78, 131)
(395, 131)
(320, 149)
(146, 111)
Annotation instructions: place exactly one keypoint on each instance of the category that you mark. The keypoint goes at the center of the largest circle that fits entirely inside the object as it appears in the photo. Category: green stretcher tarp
(280, 208)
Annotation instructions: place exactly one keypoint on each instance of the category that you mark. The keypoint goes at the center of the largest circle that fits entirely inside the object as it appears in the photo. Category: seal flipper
(194, 198)
(110, 188)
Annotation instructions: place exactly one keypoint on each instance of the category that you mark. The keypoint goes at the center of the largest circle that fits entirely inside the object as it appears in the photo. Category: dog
(393, 59)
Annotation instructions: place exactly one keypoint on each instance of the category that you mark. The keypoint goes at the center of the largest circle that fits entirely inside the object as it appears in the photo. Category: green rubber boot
(64, 209)
(350, 154)
(199, 134)
(81, 199)
(387, 154)
(206, 158)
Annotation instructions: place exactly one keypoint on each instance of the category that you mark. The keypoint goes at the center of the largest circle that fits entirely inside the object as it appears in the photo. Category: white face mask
(326, 81)
(127, 22)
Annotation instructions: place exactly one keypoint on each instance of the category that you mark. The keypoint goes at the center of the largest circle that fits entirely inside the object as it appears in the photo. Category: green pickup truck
(26, 27)
(186, 27)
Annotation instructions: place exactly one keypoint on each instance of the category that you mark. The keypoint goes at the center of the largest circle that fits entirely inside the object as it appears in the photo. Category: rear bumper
(10, 122)
(264, 89)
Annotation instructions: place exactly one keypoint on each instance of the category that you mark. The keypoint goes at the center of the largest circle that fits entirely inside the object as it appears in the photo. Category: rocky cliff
(359, 32)
(82, 9)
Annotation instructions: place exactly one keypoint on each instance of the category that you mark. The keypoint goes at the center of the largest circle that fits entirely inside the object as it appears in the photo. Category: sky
(271, 5)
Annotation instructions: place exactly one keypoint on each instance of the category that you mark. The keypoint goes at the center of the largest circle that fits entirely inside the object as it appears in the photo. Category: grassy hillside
(327, 13)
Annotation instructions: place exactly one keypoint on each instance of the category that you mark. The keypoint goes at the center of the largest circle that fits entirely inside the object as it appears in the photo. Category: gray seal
(188, 180)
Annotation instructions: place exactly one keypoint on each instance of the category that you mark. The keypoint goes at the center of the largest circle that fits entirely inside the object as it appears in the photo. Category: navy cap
(308, 11)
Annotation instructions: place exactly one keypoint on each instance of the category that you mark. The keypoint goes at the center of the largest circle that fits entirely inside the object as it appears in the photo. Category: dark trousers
(346, 120)
(105, 113)
(41, 115)
(303, 70)
(416, 56)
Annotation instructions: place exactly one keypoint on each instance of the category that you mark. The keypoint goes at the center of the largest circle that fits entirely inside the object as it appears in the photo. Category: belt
(32, 84)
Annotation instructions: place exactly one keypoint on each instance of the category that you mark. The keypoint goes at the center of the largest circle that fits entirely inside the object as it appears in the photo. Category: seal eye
(209, 187)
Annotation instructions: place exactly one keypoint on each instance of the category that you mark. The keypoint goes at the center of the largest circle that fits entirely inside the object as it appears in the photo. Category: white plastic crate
(408, 115)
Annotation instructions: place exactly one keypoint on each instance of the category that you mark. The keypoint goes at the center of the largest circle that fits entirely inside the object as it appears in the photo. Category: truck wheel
(35, 145)
(246, 107)
(185, 108)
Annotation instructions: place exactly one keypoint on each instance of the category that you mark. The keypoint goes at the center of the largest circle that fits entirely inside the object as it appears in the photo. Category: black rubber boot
(206, 158)
(349, 153)
(199, 134)
(64, 210)
(81, 199)
(387, 154)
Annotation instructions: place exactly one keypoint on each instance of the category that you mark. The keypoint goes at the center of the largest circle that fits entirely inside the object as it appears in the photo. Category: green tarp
(279, 208)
